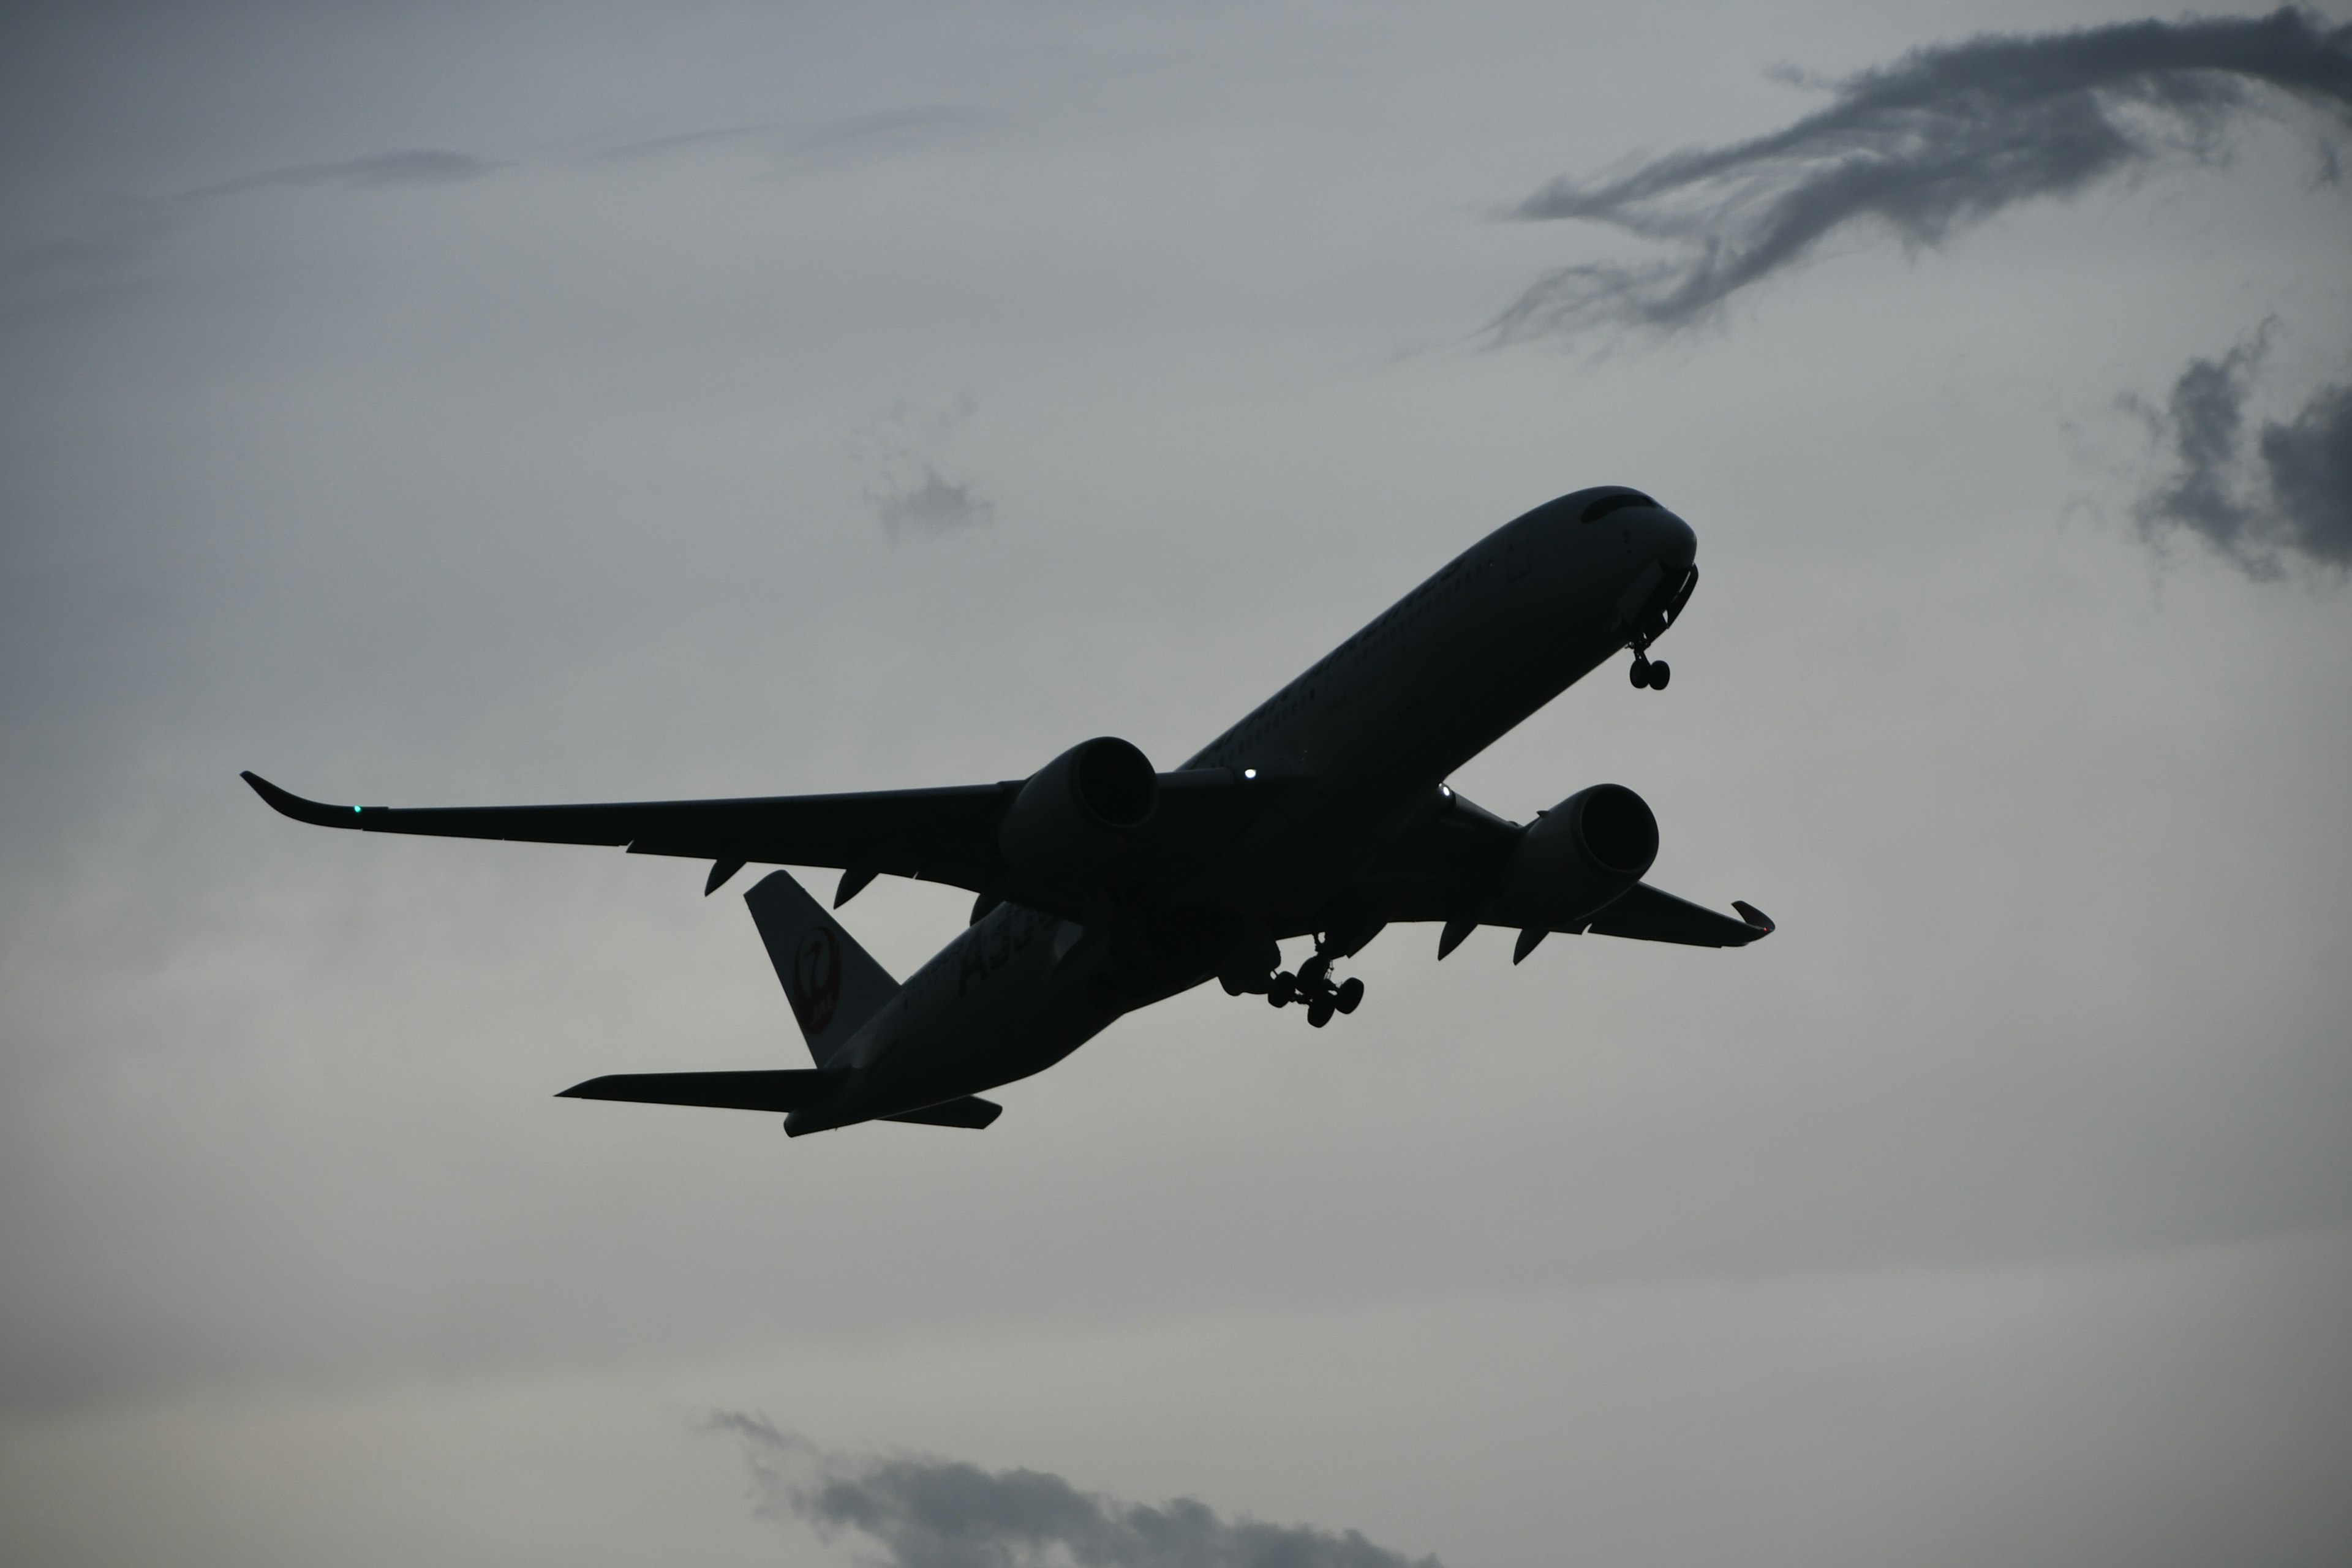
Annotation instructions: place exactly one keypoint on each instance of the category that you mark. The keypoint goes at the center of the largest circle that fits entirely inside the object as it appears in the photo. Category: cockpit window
(1617, 502)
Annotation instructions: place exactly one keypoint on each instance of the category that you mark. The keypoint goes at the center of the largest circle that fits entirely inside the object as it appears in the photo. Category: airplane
(1102, 886)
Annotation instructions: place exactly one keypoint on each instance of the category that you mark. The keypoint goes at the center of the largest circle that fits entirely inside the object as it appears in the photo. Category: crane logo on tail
(814, 988)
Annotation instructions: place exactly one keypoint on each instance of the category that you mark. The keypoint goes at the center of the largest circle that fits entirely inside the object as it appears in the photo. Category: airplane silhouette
(1102, 886)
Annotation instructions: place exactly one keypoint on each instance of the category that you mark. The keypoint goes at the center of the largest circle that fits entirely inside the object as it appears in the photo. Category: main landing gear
(1324, 997)
(1313, 985)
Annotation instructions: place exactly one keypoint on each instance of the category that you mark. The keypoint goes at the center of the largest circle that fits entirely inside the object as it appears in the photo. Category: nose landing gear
(1655, 673)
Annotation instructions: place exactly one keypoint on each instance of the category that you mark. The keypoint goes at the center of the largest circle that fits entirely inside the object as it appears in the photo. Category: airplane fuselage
(1345, 757)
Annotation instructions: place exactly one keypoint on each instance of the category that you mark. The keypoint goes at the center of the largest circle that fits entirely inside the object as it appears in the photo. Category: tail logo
(815, 989)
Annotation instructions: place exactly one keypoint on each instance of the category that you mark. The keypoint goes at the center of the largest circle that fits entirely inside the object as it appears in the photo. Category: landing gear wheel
(1660, 673)
(1351, 992)
(1286, 987)
(1318, 1012)
(1640, 674)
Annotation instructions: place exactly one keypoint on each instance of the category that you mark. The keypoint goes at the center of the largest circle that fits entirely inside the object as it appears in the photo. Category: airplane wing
(934, 835)
(1647, 914)
(1453, 871)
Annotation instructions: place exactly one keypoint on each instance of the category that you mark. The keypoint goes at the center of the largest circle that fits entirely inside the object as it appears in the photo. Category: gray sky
(434, 405)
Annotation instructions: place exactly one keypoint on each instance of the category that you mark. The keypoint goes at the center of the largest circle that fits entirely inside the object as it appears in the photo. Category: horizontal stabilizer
(969, 1111)
(784, 1090)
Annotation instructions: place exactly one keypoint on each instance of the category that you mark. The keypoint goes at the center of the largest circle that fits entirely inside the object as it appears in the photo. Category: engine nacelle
(1580, 855)
(1077, 812)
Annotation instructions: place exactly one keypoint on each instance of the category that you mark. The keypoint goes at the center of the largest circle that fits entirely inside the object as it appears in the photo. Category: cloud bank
(2289, 494)
(1940, 140)
(942, 1513)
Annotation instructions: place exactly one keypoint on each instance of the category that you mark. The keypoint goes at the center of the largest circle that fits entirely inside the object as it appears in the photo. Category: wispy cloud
(853, 136)
(941, 1513)
(884, 131)
(382, 170)
(1924, 149)
(654, 147)
(2287, 495)
(105, 239)
(907, 491)
(99, 241)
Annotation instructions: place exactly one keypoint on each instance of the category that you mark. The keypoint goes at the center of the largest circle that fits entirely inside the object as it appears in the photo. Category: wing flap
(969, 1111)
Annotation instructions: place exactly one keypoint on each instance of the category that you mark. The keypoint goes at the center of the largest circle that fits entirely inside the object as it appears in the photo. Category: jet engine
(1579, 856)
(1077, 812)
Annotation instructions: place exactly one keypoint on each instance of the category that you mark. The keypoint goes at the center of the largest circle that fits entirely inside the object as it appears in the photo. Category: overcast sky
(434, 405)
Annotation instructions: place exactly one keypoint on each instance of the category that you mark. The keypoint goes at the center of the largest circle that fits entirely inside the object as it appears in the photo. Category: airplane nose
(1661, 548)
(1671, 542)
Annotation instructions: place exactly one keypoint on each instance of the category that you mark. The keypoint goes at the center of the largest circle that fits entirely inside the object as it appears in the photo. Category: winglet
(1755, 917)
(316, 813)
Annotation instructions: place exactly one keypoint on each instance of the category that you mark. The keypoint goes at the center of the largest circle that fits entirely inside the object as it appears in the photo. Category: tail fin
(833, 985)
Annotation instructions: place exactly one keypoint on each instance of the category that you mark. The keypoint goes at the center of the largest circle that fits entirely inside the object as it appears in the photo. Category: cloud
(101, 239)
(934, 506)
(854, 136)
(888, 130)
(416, 166)
(2309, 463)
(906, 487)
(1940, 140)
(942, 1513)
(682, 141)
(2290, 496)
(105, 238)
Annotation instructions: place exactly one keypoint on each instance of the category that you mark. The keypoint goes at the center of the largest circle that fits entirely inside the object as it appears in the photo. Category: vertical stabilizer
(833, 984)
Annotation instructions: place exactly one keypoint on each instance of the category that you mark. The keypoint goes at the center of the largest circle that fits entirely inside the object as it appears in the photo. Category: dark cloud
(2309, 463)
(941, 1513)
(1940, 140)
(906, 487)
(933, 506)
(2290, 496)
